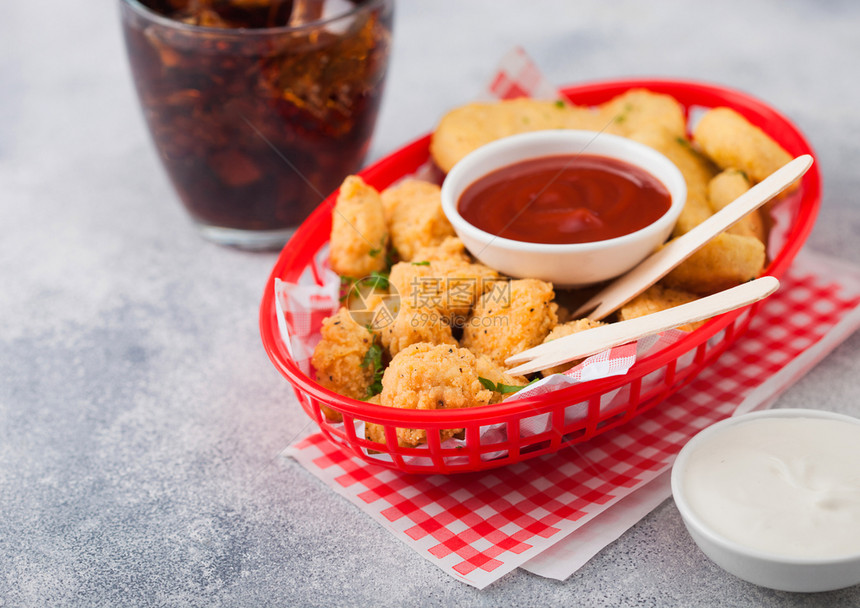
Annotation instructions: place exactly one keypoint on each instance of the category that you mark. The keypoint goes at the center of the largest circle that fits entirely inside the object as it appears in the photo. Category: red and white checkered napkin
(477, 527)
(517, 75)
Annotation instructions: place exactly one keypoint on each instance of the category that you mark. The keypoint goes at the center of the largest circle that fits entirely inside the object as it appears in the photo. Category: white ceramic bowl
(565, 265)
(784, 573)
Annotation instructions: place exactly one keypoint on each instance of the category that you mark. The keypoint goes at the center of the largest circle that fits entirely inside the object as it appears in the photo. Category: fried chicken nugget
(509, 319)
(696, 169)
(568, 329)
(734, 143)
(639, 109)
(429, 377)
(414, 325)
(413, 211)
(451, 287)
(725, 261)
(725, 188)
(468, 127)
(451, 249)
(374, 432)
(359, 235)
(497, 374)
(657, 298)
(338, 357)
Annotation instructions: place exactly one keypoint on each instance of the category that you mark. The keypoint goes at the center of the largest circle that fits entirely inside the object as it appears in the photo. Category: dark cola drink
(258, 108)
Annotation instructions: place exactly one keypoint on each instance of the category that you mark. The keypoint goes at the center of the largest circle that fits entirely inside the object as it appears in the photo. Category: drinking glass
(258, 108)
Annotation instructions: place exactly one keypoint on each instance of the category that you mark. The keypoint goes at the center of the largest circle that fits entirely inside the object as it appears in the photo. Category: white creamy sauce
(789, 486)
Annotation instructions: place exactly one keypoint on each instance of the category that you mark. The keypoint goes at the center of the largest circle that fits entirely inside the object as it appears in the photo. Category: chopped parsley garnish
(420, 263)
(373, 360)
(377, 250)
(504, 389)
(376, 280)
(559, 103)
(687, 144)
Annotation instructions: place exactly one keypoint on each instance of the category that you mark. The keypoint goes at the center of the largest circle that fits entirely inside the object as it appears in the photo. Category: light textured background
(140, 420)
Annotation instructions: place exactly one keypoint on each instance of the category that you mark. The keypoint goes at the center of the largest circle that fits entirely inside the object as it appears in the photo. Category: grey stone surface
(140, 420)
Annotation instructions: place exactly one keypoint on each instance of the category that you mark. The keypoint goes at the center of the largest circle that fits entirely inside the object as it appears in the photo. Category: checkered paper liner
(477, 527)
(518, 76)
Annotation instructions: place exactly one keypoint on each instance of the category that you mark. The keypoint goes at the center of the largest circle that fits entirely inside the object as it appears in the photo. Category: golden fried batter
(735, 143)
(412, 326)
(451, 249)
(497, 374)
(413, 211)
(639, 109)
(657, 298)
(725, 188)
(359, 235)
(449, 286)
(374, 432)
(429, 377)
(337, 359)
(468, 127)
(568, 329)
(511, 318)
(725, 261)
(695, 168)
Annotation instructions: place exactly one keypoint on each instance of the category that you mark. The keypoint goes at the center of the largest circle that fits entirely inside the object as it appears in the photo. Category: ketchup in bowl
(560, 199)
(570, 207)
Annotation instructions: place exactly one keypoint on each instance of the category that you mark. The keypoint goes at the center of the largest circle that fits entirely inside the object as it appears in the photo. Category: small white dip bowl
(565, 265)
(782, 571)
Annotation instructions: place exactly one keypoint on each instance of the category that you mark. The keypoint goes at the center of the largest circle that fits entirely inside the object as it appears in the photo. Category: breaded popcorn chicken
(451, 249)
(450, 287)
(695, 168)
(725, 261)
(724, 189)
(469, 127)
(338, 358)
(509, 319)
(734, 143)
(568, 329)
(639, 109)
(498, 375)
(429, 377)
(657, 298)
(414, 325)
(359, 235)
(374, 432)
(726, 186)
(413, 211)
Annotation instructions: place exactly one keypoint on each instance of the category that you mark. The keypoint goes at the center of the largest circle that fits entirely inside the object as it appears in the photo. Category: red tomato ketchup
(565, 199)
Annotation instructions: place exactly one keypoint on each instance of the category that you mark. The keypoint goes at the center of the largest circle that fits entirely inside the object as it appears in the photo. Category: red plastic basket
(601, 404)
